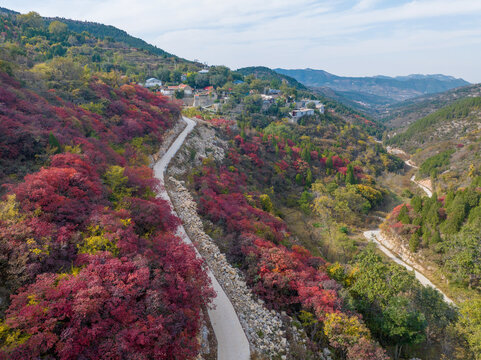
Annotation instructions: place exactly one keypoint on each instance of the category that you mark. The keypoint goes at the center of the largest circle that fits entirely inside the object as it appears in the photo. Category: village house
(321, 108)
(203, 71)
(152, 82)
(301, 104)
(169, 90)
(297, 114)
(273, 92)
(267, 99)
(188, 91)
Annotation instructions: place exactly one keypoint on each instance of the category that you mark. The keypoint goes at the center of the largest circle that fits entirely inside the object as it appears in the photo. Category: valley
(155, 207)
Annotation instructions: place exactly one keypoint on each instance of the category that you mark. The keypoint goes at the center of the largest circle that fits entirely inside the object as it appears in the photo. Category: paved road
(232, 342)
(376, 235)
(427, 190)
(410, 163)
(423, 187)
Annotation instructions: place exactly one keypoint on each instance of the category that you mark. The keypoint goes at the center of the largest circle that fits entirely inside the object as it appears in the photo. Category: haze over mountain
(376, 90)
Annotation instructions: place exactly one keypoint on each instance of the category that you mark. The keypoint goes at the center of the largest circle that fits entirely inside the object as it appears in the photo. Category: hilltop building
(301, 104)
(297, 114)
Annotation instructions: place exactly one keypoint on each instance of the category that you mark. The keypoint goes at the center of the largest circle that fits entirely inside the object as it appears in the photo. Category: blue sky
(355, 37)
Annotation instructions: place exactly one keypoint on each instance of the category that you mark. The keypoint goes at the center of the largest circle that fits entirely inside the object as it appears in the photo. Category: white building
(267, 99)
(297, 114)
(188, 91)
(321, 108)
(204, 71)
(169, 90)
(301, 104)
(152, 82)
(273, 92)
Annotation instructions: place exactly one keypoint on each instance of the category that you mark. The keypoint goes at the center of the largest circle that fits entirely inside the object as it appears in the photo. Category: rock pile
(264, 328)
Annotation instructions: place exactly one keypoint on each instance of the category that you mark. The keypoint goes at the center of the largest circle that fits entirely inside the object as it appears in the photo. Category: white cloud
(350, 36)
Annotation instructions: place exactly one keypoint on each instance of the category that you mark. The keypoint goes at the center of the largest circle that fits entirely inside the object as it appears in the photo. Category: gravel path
(232, 342)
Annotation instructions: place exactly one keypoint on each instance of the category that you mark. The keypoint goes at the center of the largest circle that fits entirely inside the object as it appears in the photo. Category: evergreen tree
(404, 215)
(54, 143)
(350, 178)
(449, 198)
(308, 177)
(306, 155)
(414, 242)
(288, 150)
(436, 238)
(417, 203)
(299, 179)
(329, 163)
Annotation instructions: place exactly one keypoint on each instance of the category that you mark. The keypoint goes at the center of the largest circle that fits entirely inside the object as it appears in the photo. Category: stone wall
(264, 328)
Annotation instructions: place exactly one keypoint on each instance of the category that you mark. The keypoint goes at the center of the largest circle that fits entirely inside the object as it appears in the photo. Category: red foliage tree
(112, 308)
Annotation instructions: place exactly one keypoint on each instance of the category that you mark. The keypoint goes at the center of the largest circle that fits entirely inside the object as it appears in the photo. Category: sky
(343, 37)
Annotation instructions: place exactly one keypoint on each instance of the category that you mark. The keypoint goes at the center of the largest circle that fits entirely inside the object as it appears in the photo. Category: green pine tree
(309, 177)
(329, 163)
(54, 143)
(414, 242)
(350, 178)
(299, 179)
(404, 215)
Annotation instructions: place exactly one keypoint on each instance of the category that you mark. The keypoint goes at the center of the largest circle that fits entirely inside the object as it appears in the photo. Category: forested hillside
(266, 77)
(264, 73)
(88, 253)
(402, 114)
(450, 122)
(442, 231)
(102, 31)
(326, 171)
(90, 262)
(445, 143)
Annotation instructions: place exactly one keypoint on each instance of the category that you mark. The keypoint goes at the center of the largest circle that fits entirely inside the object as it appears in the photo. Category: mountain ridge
(391, 89)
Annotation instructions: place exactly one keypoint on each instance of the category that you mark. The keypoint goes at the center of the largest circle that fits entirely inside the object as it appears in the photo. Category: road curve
(232, 342)
(376, 235)
(427, 190)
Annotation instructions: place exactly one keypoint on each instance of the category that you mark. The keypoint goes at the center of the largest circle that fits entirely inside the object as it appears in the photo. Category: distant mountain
(264, 73)
(376, 91)
(404, 113)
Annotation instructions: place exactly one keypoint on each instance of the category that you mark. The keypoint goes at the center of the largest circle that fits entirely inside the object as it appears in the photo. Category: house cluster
(210, 99)
(192, 97)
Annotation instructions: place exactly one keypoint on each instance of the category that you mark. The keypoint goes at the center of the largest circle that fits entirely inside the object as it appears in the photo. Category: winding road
(377, 237)
(232, 343)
